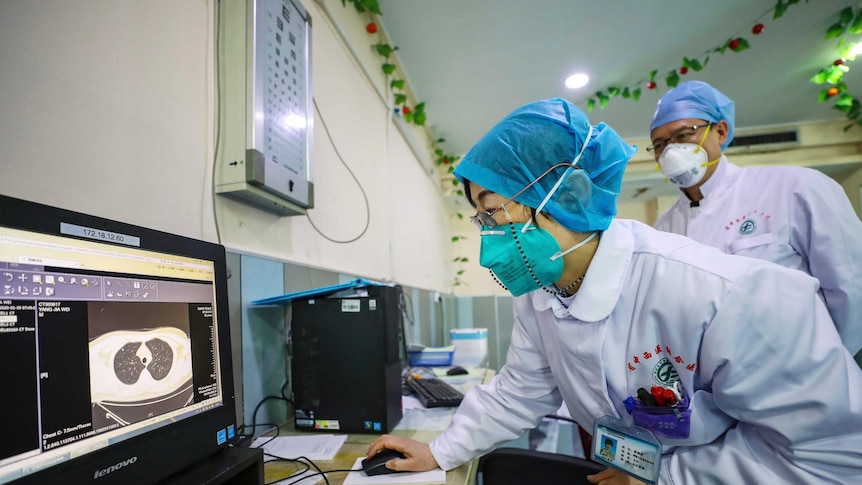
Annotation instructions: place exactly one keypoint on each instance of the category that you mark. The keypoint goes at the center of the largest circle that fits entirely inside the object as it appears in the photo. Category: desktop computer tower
(346, 361)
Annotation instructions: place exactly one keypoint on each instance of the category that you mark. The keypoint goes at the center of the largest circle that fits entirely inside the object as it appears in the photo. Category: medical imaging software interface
(99, 343)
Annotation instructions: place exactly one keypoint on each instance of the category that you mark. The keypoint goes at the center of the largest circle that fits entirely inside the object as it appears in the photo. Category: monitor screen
(114, 349)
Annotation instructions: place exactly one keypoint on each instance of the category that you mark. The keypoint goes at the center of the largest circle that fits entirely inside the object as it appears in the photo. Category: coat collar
(603, 282)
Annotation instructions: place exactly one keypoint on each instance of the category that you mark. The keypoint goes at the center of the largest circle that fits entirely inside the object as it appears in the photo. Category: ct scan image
(140, 361)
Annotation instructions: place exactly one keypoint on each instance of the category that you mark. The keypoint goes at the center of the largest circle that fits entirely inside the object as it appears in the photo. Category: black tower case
(346, 361)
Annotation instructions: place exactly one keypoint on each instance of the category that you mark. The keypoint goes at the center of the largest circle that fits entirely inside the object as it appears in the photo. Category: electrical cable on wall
(364, 195)
(217, 119)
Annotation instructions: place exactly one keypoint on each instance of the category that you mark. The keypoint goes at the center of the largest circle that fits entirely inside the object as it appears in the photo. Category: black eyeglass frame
(664, 142)
(486, 218)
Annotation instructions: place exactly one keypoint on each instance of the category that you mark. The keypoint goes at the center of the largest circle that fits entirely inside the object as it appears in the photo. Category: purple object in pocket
(664, 421)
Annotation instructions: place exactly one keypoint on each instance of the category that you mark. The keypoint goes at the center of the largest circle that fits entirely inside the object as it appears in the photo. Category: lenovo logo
(104, 471)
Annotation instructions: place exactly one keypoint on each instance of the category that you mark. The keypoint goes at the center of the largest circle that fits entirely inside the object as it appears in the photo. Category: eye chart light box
(265, 105)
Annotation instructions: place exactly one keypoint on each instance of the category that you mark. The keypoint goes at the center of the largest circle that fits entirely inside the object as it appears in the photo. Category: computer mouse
(456, 371)
(376, 465)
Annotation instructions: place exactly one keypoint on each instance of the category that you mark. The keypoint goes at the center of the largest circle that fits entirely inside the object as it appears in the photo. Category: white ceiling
(474, 61)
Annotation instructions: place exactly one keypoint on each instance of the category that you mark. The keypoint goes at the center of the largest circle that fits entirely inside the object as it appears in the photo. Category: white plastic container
(471, 346)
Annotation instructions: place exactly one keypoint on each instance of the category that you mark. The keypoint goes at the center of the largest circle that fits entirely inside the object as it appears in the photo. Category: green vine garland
(672, 77)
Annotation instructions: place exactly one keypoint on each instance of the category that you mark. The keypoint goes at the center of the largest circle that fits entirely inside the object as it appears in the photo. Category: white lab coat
(775, 396)
(793, 216)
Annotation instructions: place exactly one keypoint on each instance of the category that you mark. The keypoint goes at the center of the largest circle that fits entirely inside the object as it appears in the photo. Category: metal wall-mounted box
(265, 117)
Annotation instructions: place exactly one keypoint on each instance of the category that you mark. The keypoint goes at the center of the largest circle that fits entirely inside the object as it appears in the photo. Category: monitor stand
(234, 466)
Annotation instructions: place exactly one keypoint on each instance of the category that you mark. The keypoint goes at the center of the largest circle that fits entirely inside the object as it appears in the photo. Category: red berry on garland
(838, 62)
(832, 92)
(446, 161)
(758, 28)
(650, 85)
(406, 110)
(683, 70)
(371, 28)
(734, 44)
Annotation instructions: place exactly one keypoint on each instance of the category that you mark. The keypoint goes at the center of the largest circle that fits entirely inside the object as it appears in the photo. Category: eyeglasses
(681, 135)
(486, 218)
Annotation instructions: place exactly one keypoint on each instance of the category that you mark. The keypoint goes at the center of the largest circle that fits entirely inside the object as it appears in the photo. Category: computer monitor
(114, 349)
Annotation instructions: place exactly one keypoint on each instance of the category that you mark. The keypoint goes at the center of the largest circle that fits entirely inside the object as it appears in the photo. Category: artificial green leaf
(603, 99)
(372, 5)
(455, 182)
(834, 30)
(843, 109)
(742, 46)
(672, 79)
(419, 118)
(419, 107)
(706, 61)
(724, 47)
(388, 68)
(856, 26)
(460, 272)
(397, 84)
(636, 94)
(460, 192)
(780, 8)
(823, 96)
(820, 77)
(438, 152)
(450, 169)
(652, 75)
(440, 140)
(695, 65)
(464, 260)
(591, 103)
(834, 74)
(846, 15)
(851, 125)
(613, 90)
(343, 3)
(626, 93)
(455, 239)
(458, 258)
(408, 117)
(400, 99)
(358, 6)
(383, 49)
(459, 216)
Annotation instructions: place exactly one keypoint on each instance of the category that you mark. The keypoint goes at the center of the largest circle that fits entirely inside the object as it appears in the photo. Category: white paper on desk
(433, 419)
(432, 477)
(313, 447)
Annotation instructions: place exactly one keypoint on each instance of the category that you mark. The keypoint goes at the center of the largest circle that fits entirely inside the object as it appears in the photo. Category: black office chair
(513, 466)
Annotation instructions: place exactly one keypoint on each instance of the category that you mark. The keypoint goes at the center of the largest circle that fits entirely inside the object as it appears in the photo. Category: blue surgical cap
(694, 99)
(531, 139)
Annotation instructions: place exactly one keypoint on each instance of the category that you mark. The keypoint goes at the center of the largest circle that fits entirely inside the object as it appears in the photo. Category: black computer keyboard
(434, 393)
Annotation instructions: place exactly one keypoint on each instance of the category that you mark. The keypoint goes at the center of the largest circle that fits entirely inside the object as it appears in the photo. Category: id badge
(630, 449)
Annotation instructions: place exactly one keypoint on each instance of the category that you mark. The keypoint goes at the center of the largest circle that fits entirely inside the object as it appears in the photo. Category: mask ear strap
(560, 180)
(705, 132)
(576, 246)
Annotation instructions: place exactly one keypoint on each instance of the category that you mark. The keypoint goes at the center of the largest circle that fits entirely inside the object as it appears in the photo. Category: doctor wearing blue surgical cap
(793, 216)
(604, 307)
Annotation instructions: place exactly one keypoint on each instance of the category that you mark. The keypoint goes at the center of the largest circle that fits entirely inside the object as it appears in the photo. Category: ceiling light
(577, 81)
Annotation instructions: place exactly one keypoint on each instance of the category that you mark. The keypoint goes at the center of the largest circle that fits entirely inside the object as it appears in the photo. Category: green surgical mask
(523, 257)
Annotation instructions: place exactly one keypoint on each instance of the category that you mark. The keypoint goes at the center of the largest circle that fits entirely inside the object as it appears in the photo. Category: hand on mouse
(419, 457)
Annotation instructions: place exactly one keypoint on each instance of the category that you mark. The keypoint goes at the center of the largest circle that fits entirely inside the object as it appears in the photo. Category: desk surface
(357, 444)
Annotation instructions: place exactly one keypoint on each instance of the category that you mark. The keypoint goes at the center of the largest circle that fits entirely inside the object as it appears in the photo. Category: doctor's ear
(722, 129)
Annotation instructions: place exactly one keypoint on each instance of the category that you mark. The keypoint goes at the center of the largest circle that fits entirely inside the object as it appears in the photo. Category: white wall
(108, 108)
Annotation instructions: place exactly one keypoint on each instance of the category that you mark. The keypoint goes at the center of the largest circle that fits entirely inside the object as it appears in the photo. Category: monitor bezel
(166, 450)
